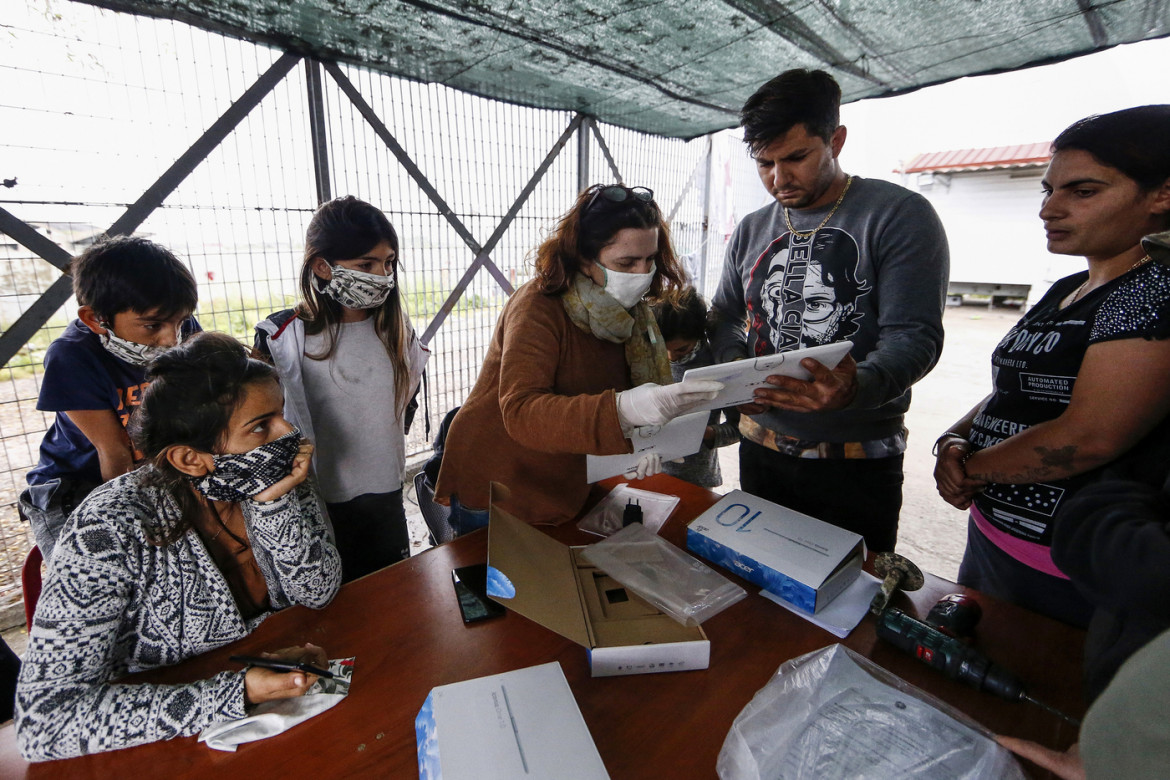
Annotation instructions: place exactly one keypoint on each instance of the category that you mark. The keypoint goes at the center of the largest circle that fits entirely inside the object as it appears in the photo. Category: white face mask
(358, 289)
(627, 289)
(130, 351)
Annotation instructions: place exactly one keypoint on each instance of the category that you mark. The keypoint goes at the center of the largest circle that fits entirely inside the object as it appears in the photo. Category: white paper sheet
(842, 614)
(741, 377)
(680, 437)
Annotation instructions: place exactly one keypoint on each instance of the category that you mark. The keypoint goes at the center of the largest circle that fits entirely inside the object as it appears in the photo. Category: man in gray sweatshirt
(836, 257)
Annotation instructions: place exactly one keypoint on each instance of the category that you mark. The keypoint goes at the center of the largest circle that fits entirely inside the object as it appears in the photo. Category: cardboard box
(551, 584)
(801, 559)
(524, 723)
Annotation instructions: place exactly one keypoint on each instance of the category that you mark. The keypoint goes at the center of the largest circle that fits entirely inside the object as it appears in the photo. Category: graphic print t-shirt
(1034, 370)
(81, 375)
(804, 292)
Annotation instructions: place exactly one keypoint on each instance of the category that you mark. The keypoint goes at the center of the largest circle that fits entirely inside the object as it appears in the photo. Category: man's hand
(300, 471)
(261, 685)
(951, 479)
(1067, 765)
(828, 389)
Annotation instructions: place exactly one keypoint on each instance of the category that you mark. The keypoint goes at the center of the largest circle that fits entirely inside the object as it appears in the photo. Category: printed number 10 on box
(803, 560)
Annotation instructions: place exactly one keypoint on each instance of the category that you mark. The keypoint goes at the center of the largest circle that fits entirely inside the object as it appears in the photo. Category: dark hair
(796, 97)
(682, 315)
(194, 389)
(1134, 141)
(343, 229)
(583, 232)
(130, 273)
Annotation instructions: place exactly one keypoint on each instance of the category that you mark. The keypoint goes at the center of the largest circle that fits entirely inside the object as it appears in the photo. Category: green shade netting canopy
(678, 68)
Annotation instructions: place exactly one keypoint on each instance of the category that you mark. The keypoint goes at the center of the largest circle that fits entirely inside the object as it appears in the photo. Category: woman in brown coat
(576, 363)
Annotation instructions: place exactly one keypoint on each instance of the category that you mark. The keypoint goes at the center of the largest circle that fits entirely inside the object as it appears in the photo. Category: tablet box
(524, 723)
(803, 560)
(553, 585)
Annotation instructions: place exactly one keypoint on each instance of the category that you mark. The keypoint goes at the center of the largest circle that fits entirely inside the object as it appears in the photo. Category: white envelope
(680, 437)
(741, 377)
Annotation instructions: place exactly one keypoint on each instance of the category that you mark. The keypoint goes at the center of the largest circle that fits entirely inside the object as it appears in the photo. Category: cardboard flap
(539, 569)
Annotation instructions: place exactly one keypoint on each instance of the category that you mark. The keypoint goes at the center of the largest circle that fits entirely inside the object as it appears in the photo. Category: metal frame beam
(605, 151)
(35, 317)
(318, 138)
(482, 257)
(482, 252)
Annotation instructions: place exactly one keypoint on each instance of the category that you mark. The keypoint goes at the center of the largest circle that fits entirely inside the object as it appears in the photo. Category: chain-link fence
(102, 109)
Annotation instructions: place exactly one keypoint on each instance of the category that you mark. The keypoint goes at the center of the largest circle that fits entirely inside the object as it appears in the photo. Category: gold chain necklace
(824, 221)
(1076, 296)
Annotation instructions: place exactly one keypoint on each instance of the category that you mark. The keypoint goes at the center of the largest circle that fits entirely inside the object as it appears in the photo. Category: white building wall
(992, 224)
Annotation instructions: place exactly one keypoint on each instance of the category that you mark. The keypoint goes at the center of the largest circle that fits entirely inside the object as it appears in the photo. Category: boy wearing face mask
(684, 323)
(350, 365)
(135, 302)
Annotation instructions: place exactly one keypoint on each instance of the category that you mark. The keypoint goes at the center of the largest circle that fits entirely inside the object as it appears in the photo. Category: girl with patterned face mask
(187, 553)
(350, 365)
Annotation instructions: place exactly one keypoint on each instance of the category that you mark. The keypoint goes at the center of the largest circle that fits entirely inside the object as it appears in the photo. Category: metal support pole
(583, 179)
(316, 100)
(704, 245)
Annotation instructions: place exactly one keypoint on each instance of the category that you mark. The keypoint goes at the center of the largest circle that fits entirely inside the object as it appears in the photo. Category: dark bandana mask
(241, 476)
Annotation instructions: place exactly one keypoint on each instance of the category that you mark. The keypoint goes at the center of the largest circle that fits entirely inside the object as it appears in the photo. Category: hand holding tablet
(741, 378)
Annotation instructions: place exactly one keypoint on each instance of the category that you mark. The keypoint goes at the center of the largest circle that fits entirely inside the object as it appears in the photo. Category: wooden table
(404, 627)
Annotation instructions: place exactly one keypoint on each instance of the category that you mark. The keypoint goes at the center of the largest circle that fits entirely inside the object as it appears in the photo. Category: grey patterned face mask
(130, 351)
(357, 289)
(243, 475)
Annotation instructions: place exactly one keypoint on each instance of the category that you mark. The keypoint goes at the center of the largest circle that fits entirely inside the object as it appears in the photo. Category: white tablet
(741, 377)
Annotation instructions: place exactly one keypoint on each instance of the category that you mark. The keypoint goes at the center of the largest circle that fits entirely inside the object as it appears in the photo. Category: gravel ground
(932, 533)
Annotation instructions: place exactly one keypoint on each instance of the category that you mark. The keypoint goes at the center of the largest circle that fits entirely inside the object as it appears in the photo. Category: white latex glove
(648, 465)
(652, 404)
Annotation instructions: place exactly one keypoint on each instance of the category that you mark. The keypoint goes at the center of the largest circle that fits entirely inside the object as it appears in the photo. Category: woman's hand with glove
(652, 404)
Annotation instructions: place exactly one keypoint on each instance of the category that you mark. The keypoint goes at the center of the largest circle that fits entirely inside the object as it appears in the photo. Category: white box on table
(524, 723)
(553, 585)
(803, 560)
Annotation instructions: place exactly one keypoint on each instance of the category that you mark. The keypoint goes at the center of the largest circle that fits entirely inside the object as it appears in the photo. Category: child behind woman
(350, 365)
(683, 320)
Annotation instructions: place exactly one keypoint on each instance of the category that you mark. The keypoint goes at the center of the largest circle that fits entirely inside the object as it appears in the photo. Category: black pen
(280, 665)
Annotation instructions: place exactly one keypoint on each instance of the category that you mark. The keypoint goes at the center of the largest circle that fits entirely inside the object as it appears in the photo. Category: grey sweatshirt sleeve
(728, 339)
(66, 703)
(912, 265)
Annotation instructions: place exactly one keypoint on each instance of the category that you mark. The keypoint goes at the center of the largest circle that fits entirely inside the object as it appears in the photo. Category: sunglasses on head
(619, 194)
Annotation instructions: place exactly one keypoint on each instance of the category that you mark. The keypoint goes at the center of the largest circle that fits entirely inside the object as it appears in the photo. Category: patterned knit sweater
(116, 604)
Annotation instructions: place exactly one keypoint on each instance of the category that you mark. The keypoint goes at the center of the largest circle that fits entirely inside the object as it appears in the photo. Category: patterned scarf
(596, 312)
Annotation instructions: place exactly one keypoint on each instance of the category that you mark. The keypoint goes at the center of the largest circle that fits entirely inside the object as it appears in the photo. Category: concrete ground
(931, 533)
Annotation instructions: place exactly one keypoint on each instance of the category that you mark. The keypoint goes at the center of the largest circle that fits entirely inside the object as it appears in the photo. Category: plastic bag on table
(834, 713)
(606, 518)
(677, 583)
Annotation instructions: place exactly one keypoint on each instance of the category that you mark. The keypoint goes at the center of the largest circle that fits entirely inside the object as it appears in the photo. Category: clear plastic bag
(677, 583)
(834, 713)
(606, 518)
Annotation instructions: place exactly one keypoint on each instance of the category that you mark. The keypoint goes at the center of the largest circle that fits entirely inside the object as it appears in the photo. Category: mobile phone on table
(471, 589)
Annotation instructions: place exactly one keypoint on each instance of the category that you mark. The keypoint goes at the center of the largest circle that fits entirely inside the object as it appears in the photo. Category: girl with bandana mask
(683, 320)
(183, 555)
(575, 365)
(350, 364)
